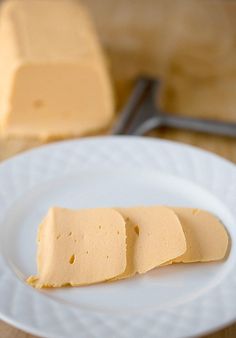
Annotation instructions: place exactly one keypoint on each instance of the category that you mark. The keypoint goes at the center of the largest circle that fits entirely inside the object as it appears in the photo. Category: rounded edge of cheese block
(206, 236)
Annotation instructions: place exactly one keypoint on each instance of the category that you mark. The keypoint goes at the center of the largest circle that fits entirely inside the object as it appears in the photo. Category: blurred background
(189, 44)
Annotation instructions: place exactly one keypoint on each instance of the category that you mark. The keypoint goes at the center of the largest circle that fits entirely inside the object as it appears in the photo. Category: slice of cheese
(154, 236)
(54, 79)
(80, 247)
(206, 237)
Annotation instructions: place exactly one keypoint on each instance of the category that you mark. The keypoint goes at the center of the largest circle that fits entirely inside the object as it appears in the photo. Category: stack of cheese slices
(79, 247)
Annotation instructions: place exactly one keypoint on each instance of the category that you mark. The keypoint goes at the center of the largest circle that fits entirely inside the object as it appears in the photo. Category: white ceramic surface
(173, 301)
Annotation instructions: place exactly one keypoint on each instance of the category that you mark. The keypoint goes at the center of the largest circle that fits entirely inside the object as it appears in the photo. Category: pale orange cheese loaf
(54, 79)
(80, 247)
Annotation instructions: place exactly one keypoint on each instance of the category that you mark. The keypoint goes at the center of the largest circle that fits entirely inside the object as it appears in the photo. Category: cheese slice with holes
(54, 78)
(80, 247)
(206, 237)
(154, 236)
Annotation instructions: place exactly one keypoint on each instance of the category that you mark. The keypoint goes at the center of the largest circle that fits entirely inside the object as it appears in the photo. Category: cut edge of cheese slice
(206, 237)
(154, 236)
(80, 247)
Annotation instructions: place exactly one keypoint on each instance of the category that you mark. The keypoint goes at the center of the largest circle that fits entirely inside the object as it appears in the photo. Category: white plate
(176, 301)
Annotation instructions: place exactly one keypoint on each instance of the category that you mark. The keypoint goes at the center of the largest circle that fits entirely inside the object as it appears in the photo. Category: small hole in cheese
(87, 252)
(38, 103)
(58, 236)
(100, 227)
(118, 232)
(72, 259)
(107, 257)
(136, 229)
(195, 211)
(69, 234)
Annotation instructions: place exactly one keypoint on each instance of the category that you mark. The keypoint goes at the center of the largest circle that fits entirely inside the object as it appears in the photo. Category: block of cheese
(206, 237)
(154, 236)
(80, 247)
(54, 79)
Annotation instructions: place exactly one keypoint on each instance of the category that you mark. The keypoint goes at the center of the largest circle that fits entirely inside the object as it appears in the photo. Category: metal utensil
(142, 114)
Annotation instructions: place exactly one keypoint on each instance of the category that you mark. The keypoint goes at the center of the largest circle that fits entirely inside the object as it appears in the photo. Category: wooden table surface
(133, 39)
